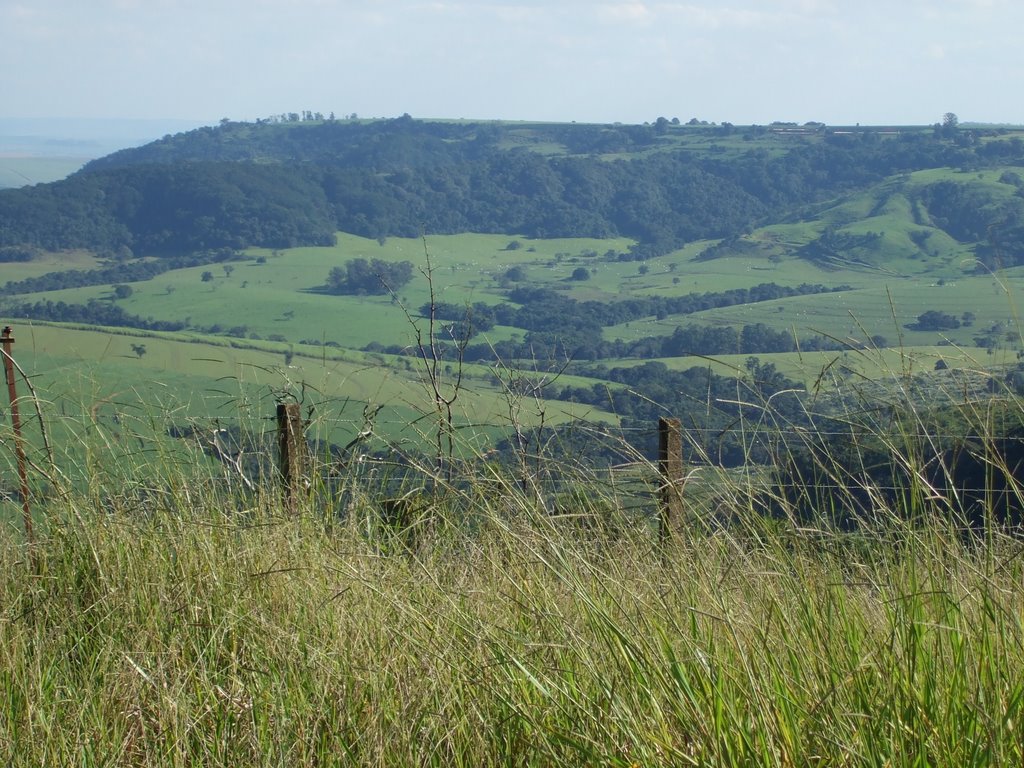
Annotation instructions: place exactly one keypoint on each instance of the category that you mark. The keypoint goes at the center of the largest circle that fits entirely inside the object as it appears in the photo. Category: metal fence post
(7, 340)
(670, 464)
(292, 449)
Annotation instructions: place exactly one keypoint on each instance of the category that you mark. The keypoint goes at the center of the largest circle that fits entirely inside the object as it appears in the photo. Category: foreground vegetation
(200, 636)
(495, 620)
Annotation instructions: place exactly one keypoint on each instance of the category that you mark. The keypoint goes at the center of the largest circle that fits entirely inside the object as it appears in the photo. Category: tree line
(118, 271)
(560, 328)
(285, 184)
(545, 309)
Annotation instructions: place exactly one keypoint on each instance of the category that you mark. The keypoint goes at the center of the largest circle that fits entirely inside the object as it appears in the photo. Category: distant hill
(292, 181)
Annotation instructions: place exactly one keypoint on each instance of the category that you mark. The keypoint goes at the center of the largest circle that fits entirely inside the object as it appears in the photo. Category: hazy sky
(743, 61)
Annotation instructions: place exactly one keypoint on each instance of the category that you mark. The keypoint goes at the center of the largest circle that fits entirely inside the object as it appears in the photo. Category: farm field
(45, 262)
(886, 309)
(99, 396)
(272, 300)
(282, 297)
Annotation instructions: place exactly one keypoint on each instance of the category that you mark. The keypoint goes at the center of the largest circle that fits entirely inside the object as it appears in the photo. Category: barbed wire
(757, 432)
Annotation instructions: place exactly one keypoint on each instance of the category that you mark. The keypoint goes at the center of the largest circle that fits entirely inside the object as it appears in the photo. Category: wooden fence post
(670, 464)
(19, 447)
(292, 451)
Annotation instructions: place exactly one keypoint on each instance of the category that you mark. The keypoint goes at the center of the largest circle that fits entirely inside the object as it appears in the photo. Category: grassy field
(104, 405)
(45, 262)
(95, 379)
(494, 624)
(887, 308)
(280, 297)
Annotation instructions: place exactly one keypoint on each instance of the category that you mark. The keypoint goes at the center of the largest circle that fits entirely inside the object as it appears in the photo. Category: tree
(228, 269)
(581, 273)
(373, 277)
(122, 291)
(934, 320)
(207, 276)
(515, 274)
(139, 350)
(950, 122)
(336, 280)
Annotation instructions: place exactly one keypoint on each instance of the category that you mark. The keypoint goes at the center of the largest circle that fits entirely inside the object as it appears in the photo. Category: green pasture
(271, 300)
(96, 393)
(742, 271)
(471, 267)
(705, 140)
(283, 297)
(278, 307)
(46, 262)
(988, 176)
(885, 308)
(888, 309)
(893, 210)
(907, 243)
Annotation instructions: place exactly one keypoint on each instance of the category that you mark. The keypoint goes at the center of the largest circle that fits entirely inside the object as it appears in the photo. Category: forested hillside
(287, 182)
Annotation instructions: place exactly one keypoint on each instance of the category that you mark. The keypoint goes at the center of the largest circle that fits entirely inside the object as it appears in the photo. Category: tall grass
(466, 624)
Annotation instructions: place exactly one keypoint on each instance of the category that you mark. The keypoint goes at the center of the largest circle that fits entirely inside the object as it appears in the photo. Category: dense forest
(286, 183)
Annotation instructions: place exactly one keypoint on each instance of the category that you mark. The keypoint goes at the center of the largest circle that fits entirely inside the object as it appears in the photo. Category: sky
(872, 62)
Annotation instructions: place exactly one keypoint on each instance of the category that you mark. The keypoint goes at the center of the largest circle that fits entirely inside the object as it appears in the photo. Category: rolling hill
(562, 255)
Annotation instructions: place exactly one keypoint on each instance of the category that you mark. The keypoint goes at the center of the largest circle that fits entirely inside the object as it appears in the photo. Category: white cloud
(632, 11)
